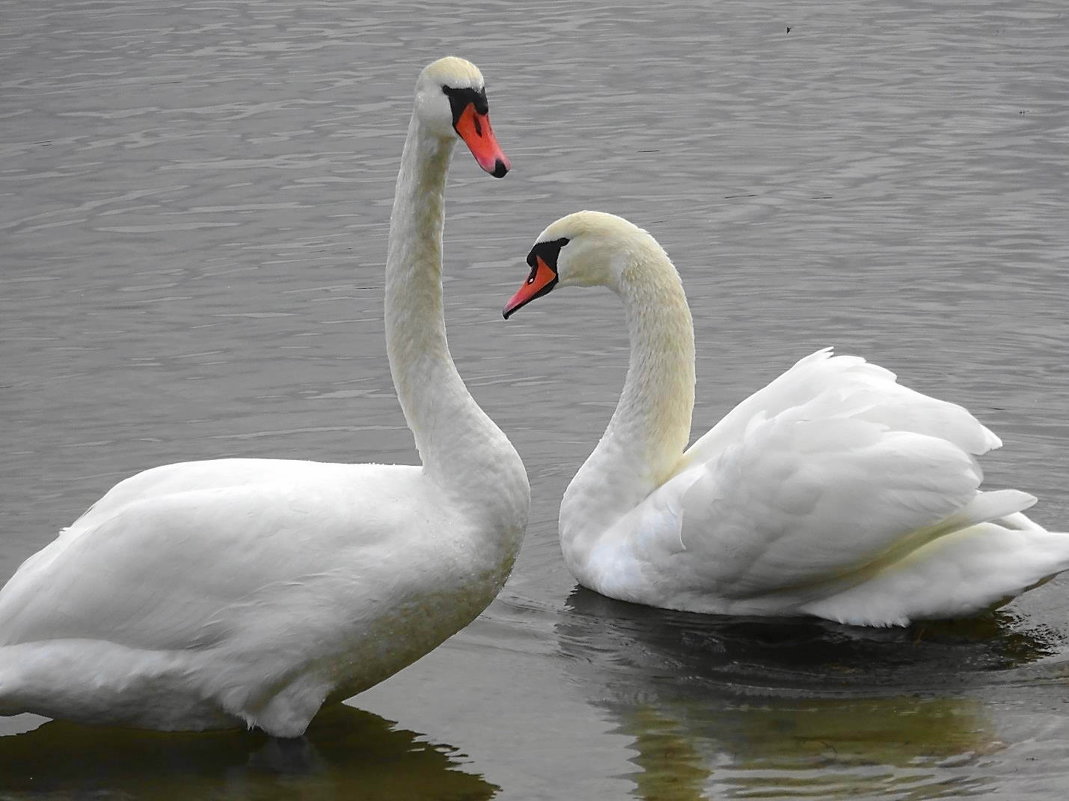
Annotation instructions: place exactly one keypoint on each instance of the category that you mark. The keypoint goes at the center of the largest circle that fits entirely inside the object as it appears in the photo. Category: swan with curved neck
(251, 591)
(833, 492)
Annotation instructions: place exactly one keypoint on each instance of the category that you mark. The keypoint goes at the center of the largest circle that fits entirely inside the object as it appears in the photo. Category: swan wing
(832, 467)
(170, 570)
(801, 502)
(848, 385)
(170, 479)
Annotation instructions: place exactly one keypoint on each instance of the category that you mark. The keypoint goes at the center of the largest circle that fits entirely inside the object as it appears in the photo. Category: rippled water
(194, 209)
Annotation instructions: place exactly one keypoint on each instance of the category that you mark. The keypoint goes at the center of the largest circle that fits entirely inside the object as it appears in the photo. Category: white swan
(833, 491)
(251, 591)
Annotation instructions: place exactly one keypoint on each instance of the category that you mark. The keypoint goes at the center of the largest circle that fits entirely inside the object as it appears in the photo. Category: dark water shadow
(798, 655)
(346, 753)
(720, 706)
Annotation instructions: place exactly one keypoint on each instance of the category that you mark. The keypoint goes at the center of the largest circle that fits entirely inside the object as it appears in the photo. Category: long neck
(455, 439)
(649, 430)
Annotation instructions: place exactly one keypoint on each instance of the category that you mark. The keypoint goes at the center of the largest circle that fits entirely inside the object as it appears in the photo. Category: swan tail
(980, 559)
(983, 507)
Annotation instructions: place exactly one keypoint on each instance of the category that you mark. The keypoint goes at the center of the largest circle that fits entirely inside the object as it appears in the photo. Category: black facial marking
(549, 251)
(459, 99)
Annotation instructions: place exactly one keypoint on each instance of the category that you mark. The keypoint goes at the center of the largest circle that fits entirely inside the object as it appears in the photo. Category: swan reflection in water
(345, 753)
(721, 706)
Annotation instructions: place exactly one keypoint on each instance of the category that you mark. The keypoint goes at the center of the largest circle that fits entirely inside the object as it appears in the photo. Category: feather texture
(833, 491)
(251, 591)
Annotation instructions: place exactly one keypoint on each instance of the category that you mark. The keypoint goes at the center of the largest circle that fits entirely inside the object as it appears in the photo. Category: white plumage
(251, 591)
(834, 491)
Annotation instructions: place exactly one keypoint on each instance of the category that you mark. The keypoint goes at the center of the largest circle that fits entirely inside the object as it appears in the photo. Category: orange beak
(474, 128)
(541, 280)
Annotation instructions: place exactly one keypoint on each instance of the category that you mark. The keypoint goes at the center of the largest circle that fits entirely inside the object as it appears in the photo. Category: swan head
(587, 248)
(451, 101)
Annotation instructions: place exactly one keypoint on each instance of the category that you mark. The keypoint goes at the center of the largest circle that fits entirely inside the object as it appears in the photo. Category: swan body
(251, 591)
(834, 491)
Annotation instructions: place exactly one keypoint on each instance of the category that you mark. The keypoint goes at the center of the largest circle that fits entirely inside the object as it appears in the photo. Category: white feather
(833, 491)
(251, 591)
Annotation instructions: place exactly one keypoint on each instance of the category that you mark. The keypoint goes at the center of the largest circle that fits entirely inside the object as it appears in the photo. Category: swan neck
(653, 416)
(649, 430)
(453, 435)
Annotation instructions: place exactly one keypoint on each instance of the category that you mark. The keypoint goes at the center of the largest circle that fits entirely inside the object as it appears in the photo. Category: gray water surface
(193, 212)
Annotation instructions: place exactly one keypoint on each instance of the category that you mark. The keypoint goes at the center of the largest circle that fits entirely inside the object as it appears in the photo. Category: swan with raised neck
(248, 592)
(459, 445)
(834, 491)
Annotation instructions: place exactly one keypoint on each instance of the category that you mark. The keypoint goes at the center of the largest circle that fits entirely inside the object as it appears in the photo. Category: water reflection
(765, 708)
(828, 748)
(346, 753)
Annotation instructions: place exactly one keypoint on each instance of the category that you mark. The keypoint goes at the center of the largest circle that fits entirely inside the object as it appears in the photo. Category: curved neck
(449, 428)
(649, 430)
